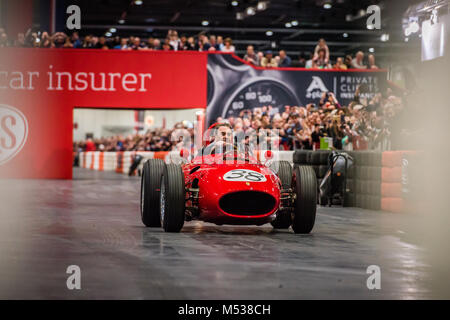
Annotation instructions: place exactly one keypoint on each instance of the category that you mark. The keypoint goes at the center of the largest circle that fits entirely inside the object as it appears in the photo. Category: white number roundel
(244, 175)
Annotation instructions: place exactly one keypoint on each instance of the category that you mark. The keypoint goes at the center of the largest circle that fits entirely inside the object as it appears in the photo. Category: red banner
(40, 87)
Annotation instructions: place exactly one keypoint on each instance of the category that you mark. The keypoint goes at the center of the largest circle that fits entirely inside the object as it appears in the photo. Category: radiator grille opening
(247, 203)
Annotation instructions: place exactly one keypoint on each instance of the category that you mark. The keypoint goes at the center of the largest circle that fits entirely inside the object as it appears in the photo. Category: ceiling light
(345, 35)
(269, 33)
(234, 3)
(406, 39)
(138, 2)
(262, 5)
(108, 34)
(288, 25)
(205, 23)
(384, 37)
(251, 11)
(414, 27)
(370, 26)
(294, 23)
(327, 5)
(240, 16)
(372, 50)
(112, 30)
(121, 21)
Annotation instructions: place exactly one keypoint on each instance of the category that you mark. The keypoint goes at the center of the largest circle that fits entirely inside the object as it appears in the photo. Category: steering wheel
(225, 146)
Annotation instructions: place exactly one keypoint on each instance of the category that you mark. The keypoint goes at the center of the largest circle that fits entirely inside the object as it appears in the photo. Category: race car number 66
(244, 175)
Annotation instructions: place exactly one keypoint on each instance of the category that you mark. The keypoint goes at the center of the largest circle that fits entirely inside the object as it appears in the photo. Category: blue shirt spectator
(285, 60)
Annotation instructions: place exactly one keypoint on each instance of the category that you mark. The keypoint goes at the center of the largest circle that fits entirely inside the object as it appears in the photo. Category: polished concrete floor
(93, 222)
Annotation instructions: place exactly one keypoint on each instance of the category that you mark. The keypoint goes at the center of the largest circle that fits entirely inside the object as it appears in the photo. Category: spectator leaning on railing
(322, 45)
(268, 60)
(251, 56)
(228, 46)
(358, 61)
(319, 58)
(285, 60)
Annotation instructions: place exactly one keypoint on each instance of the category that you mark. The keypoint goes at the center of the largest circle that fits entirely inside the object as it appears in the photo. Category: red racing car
(228, 187)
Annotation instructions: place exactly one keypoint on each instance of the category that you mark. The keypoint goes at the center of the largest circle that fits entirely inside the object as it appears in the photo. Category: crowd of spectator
(300, 127)
(158, 139)
(360, 125)
(318, 59)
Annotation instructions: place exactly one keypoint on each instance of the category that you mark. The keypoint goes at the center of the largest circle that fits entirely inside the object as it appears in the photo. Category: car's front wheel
(172, 198)
(283, 170)
(305, 187)
(150, 188)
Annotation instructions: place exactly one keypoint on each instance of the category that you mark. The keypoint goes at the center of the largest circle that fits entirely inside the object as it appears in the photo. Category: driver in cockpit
(231, 145)
(222, 140)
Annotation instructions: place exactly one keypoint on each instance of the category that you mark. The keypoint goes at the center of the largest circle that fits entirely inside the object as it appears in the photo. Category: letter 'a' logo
(13, 132)
(316, 88)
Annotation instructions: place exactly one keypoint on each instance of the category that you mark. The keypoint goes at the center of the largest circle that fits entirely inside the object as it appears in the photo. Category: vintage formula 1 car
(241, 193)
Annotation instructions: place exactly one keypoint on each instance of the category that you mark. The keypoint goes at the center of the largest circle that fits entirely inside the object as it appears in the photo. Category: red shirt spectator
(90, 145)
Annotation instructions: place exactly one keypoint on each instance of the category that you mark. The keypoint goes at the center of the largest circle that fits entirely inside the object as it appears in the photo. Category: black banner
(234, 86)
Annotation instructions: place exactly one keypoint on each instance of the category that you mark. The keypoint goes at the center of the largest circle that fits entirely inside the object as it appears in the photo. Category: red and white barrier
(392, 198)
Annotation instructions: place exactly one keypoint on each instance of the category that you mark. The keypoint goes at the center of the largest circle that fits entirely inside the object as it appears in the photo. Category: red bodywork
(221, 201)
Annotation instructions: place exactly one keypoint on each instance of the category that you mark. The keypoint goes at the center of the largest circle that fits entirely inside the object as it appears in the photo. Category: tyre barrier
(364, 181)
(399, 187)
(377, 181)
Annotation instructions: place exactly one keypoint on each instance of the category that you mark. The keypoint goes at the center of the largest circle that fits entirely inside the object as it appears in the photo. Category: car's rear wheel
(150, 190)
(305, 188)
(172, 198)
(284, 173)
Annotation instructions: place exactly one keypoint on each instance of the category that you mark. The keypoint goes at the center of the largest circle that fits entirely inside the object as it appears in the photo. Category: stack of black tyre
(363, 180)
(318, 160)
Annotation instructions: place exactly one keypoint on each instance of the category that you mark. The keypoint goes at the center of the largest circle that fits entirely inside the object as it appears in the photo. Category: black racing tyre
(283, 169)
(150, 189)
(283, 220)
(305, 187)
(172, 199)
(284, 172)
(324, 157)
(300, 156)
